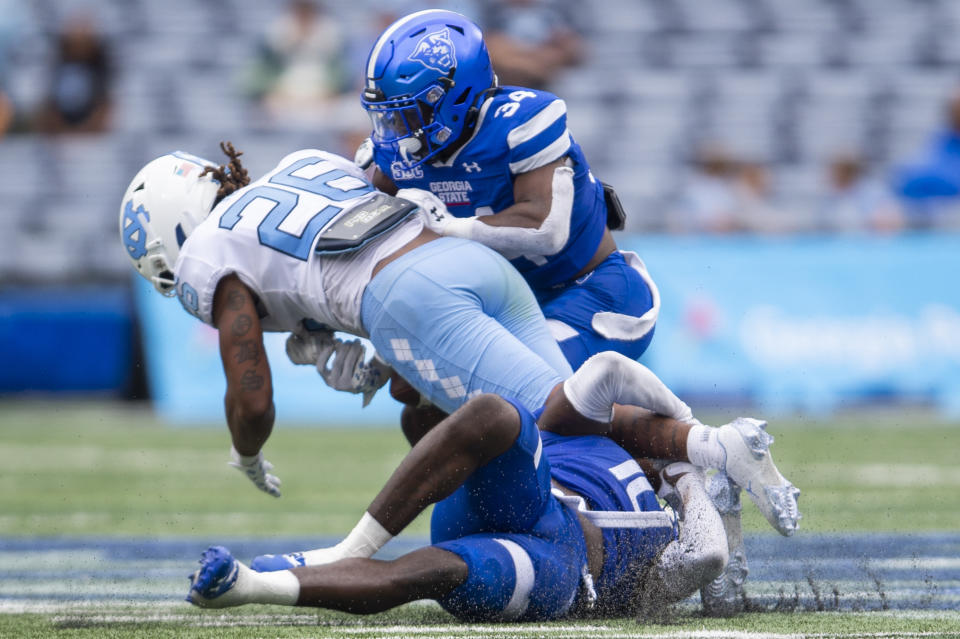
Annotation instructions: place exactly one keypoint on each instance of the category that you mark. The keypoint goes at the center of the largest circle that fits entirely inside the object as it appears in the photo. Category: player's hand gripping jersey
(268, 232)
(518, 130)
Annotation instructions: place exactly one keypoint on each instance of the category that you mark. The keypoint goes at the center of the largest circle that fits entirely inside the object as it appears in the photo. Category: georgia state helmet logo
(435, 51)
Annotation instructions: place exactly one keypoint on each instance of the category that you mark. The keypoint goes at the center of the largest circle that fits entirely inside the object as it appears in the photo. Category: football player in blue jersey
(529, 524)
(499, 165)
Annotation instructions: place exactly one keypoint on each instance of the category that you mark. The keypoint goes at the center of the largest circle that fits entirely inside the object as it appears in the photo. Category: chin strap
(407, 147)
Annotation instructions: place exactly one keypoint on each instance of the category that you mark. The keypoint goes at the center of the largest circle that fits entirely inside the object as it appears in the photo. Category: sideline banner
(792, 323)
(187, 383)
(807, 323)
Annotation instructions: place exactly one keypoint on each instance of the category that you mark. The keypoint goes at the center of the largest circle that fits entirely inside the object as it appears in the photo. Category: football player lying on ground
(503, 546)
(313, 241)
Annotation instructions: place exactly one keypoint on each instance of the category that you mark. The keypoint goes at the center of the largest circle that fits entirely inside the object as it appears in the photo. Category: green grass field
(114, 470)
(105, 469)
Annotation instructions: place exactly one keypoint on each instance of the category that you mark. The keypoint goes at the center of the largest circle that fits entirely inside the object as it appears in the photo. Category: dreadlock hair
(232, 176)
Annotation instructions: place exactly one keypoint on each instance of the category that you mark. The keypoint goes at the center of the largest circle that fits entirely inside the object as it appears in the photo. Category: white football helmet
(163, 204)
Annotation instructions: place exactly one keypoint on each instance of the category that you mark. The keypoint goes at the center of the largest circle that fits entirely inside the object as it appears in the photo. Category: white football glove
(363, 157)
(349, 372)
(434, 212)
(257, 469)
(304, 346)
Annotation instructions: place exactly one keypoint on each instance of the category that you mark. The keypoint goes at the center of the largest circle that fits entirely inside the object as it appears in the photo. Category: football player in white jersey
(313, 241)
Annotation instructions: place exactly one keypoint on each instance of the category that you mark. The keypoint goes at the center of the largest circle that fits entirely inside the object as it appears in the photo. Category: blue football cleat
(273, 563)
(217, 576)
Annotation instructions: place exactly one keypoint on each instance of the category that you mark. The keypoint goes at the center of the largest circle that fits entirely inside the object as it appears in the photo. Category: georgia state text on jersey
(518, 130)
(266, 232)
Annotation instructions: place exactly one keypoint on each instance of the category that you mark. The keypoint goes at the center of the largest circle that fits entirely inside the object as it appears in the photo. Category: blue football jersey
(609, 479)
(518, 130)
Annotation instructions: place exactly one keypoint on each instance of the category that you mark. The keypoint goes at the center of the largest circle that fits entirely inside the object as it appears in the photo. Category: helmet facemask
(409, 124)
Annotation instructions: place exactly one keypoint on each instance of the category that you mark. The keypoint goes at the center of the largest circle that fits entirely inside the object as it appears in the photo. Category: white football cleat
(746, 444)
(724, 596)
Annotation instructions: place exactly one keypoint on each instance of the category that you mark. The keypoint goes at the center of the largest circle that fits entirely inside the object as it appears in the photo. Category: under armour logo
(471, 167)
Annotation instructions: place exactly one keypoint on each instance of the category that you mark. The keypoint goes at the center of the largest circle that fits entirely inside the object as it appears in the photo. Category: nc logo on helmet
(435, 51)
(134, 235)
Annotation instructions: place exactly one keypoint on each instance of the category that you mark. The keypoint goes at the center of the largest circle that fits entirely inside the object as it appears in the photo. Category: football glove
(257, 469)
(349, 372)
(432, 210)
(304, 346)
(363, 157)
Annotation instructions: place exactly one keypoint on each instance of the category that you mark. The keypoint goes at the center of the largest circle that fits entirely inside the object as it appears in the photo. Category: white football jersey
(266, 232)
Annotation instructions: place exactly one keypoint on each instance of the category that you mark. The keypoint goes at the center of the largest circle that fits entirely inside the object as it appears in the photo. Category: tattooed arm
(249, 398)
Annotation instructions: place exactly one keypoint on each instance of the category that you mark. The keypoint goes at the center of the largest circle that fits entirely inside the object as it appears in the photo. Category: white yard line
(486, 630)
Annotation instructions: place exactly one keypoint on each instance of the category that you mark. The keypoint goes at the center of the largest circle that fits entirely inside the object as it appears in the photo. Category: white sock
(704, 449)
(281, 587)
(366, 538)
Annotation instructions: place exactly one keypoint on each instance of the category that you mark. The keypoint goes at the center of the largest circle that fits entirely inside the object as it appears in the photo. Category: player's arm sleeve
(538, 223)
(513, 241)
(249, 398)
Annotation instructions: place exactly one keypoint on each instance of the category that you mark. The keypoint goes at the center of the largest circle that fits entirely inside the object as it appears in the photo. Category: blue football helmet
(425, 77)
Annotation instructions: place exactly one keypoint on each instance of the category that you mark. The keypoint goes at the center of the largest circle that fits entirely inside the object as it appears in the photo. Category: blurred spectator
(300, 65)
(78, 98)
(724, 194)
(855, 201)
(530, 41)
(708, 202)
(756, 207)
(11, 26)
(930, 187)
